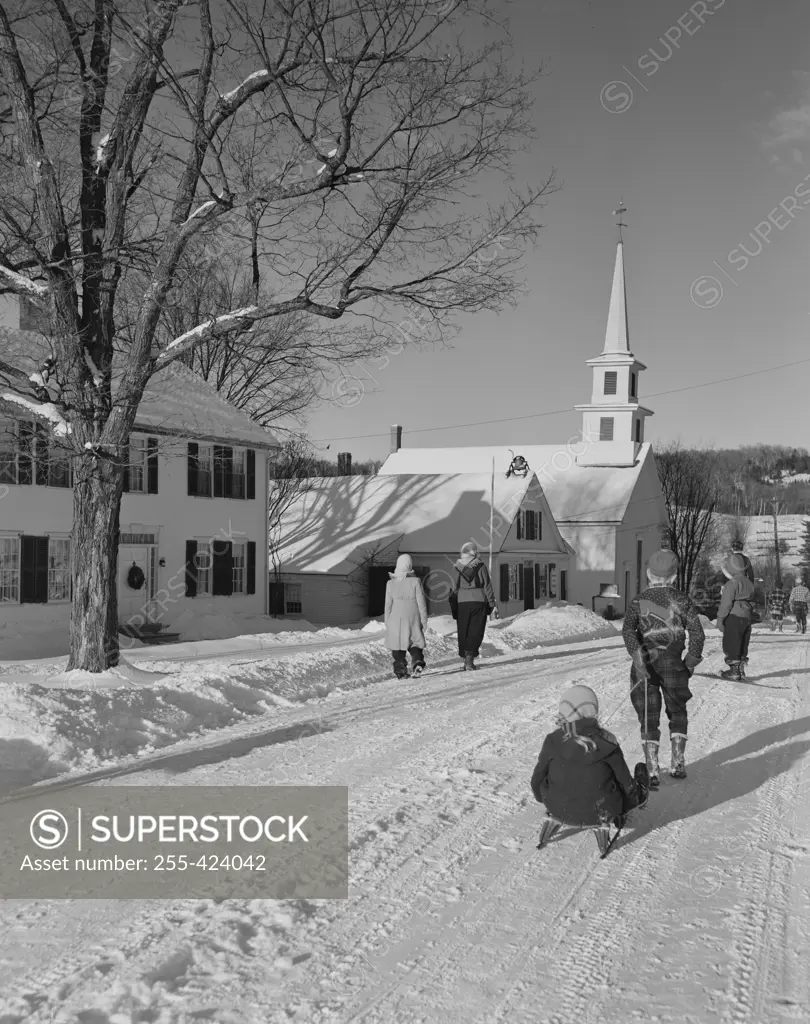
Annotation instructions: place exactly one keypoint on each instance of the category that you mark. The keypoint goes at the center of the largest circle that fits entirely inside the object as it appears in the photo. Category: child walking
(734, 615)
(777, 606)
(581, 775)
(405, 618)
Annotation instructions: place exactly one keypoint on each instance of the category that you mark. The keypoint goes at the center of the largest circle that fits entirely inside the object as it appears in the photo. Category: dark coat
(582, 787)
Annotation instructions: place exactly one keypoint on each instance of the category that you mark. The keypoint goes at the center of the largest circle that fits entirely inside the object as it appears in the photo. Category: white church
(602, 486)
(579, 526)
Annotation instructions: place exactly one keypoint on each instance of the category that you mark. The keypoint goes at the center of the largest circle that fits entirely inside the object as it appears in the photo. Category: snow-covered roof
(175, 401)
(584, 494)
(336, 524)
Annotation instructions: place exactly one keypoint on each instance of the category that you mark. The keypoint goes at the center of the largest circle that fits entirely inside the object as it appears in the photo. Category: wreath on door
(135, 577)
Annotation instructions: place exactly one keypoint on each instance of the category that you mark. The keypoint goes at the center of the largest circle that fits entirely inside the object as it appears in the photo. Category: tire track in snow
(73, 973)
(761, 928)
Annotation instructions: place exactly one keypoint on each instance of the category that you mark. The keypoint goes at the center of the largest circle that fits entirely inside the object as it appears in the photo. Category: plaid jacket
(777, 601)
(800, 594)
(656, 625)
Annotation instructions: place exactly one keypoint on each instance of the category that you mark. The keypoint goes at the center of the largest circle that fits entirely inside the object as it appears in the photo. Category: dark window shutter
(126, 470)
(193, 455)
(222, 573)
(539, 525)
(34, 574)
(152, 465)
(606, 428)
(250, 583)
(227, 472)
(610, 382)
(41, 452)
(250, 483)
(191, 568)
(537, 588)
(519, 522)
(504, 582)
(24, 458)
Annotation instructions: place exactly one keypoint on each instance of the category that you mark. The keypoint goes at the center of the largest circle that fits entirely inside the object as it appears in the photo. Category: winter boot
(678, 769)
(743, 666)
(469, 663)
(418, 668)
(733, 672)
(651, 756)
(548, 829)
(602, 833)
(642, 777)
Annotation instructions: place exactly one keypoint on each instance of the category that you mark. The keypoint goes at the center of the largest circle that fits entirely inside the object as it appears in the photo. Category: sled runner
(602, 833)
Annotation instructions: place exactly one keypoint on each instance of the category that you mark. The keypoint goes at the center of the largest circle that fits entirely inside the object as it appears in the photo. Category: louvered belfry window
(610, 382)
(606, 428)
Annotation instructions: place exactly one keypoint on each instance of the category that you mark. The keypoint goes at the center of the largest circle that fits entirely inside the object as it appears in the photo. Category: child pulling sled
(581, 775)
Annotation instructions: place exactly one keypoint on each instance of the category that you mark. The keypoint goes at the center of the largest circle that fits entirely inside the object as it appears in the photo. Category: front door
(132, 601)
(528, 586)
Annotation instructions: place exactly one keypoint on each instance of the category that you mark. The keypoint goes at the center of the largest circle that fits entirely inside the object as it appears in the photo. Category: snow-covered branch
(216, 325)
(47, 410)
(24, 285)
(258, 78)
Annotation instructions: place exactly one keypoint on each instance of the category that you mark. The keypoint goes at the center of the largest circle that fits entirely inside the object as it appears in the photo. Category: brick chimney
(344, 460)
(396, 438)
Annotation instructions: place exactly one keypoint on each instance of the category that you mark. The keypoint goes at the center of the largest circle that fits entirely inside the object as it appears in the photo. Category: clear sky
(703, 147)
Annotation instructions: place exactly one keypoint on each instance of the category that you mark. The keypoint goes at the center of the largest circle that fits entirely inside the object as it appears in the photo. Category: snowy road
(700, 913)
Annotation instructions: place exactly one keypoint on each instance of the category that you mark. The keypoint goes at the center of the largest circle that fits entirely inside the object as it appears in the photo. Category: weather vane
(618, 213)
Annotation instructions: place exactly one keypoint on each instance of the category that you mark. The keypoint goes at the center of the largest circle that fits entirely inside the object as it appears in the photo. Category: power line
(559, 412)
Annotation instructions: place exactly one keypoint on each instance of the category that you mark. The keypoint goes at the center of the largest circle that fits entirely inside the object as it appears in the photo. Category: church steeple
(613, 421)
(617, 335)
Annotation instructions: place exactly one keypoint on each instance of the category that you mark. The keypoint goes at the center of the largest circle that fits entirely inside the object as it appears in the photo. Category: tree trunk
(94, 610)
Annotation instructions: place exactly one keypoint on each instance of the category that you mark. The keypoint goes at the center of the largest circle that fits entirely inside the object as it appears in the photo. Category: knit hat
(663, 564)
(578, 702)
(734, 565)
(469, 548)
(404, 566)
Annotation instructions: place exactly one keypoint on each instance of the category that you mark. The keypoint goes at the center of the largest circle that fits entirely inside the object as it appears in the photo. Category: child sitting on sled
(581, 775)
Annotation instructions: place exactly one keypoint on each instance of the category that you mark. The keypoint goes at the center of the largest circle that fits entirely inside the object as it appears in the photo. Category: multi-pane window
(137, 464)
(238, 473)
(59, 569)
(218, 471)
(27, 456)
(9, 569)
(292, 598)
(203, 563)
(515, 582)
(205, 468)
(606, 428)
(8, 452)
(238, 555)
(530, 525)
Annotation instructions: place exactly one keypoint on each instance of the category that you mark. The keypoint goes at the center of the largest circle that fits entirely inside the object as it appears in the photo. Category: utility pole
(775, 503)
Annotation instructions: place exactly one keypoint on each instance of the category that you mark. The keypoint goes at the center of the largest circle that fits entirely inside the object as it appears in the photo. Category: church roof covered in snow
(338, 522)
(175, 401)
(575, 494)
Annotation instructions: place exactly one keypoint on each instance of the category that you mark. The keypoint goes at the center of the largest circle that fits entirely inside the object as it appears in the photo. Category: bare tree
(690, 493)
(292, 475)
(368, 124)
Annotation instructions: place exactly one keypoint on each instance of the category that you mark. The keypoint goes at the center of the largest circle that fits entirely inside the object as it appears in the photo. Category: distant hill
(752, 476)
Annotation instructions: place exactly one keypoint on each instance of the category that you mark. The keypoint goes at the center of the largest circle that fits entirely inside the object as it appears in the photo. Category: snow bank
(223, 627)
(551, 622)
(56, 721)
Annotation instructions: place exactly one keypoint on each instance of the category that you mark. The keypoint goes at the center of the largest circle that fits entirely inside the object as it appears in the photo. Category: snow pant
(800, 610)
(736, 634)
(472, 621)
(400, 662)
(667, 685)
